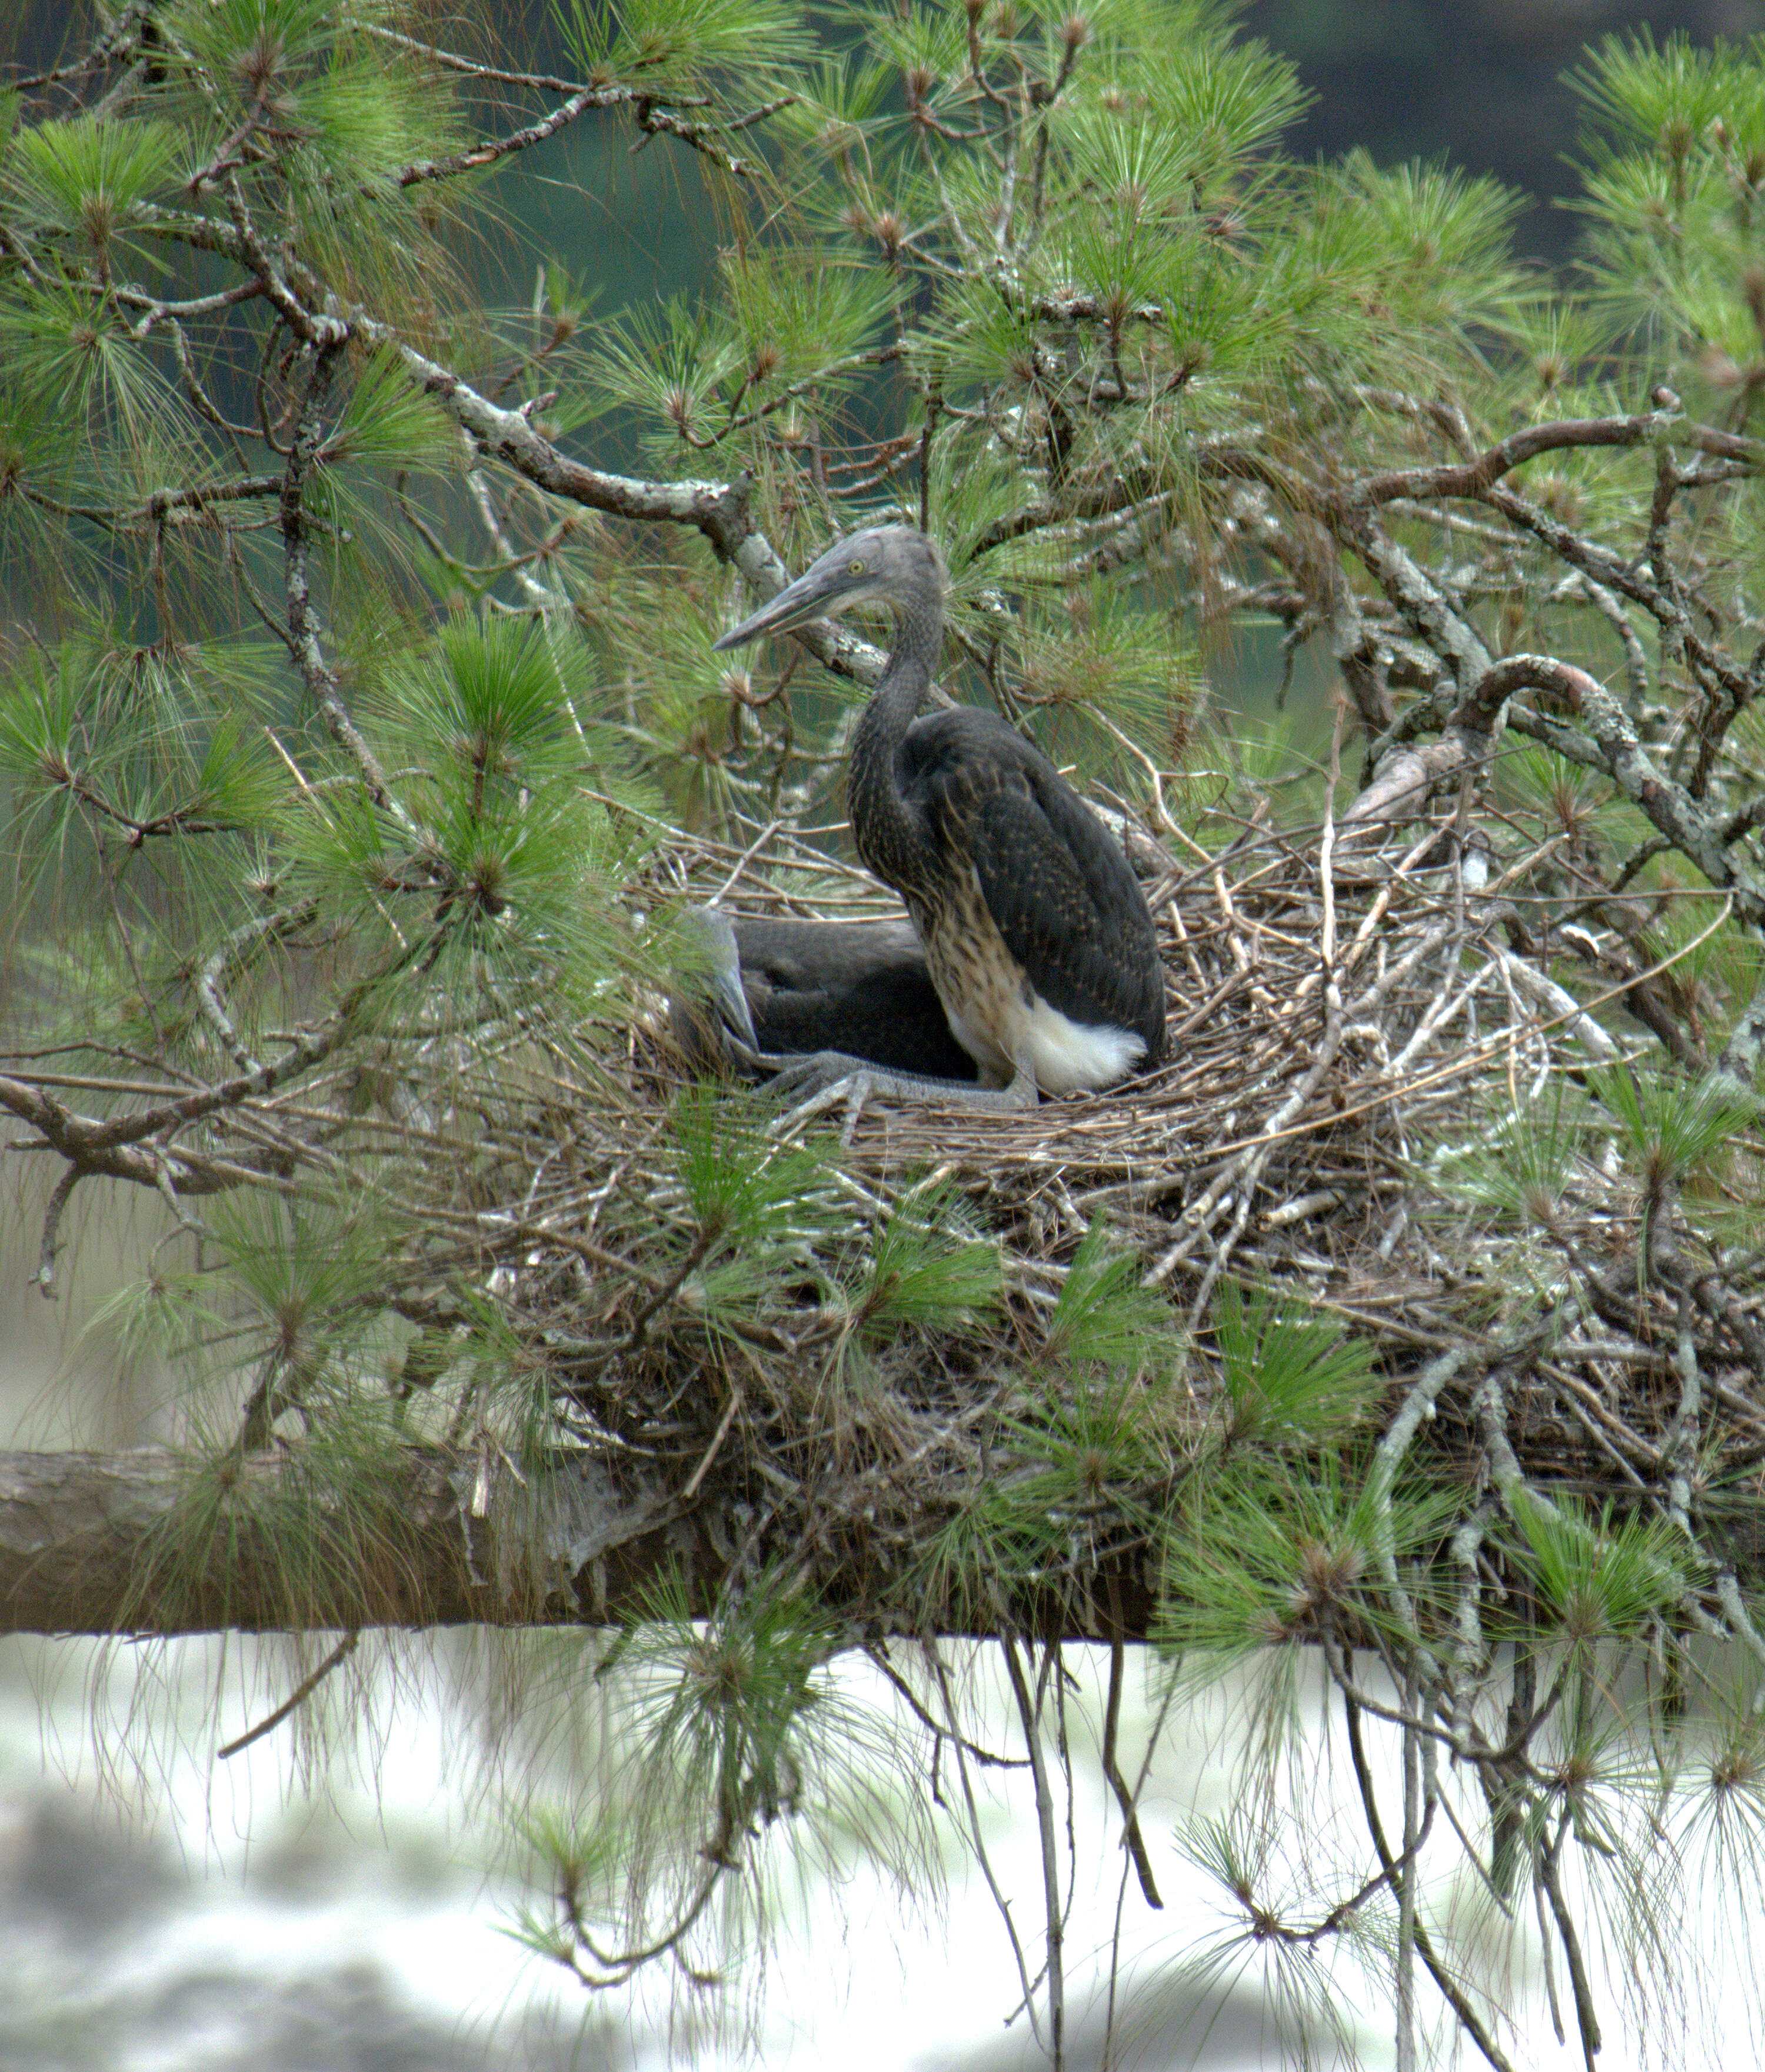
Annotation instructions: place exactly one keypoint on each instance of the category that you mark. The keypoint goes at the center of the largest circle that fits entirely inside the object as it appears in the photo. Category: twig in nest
(718, 1437)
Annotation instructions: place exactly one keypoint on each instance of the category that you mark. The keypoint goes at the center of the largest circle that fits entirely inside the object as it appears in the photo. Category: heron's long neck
(890, 836)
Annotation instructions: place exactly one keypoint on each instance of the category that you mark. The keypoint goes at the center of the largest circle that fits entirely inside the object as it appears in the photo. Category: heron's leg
(1024, 1092)
(854, 1108)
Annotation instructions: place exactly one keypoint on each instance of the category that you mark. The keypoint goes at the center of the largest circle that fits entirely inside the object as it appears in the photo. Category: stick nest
(696, 1281)
(1346, 1024)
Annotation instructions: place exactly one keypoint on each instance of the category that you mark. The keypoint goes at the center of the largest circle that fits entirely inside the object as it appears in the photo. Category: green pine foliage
(362, 750)
(742, 1775)
(307, 1541)
(1608, 1580)
(1104, 1316)
(1670, 1129)
(1674, 138)
(1526, 1162)
(925, 1264)
(1297, 1958)
(1291, 1378)
(1268, 1554)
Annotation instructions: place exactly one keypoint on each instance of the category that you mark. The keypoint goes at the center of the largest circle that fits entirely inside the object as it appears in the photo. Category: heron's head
(892, 564)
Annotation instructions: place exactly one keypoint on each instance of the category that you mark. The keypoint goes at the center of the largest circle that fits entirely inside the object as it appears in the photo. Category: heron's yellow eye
(854, 568)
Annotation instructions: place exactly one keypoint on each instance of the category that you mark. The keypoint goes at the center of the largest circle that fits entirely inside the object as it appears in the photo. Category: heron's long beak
(811, 596)
(794, 606)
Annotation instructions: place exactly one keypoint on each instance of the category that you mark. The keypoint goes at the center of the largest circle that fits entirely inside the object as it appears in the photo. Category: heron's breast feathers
(994, 1010)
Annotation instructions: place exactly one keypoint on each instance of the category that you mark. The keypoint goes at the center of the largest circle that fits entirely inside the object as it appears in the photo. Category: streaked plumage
(1035, 930)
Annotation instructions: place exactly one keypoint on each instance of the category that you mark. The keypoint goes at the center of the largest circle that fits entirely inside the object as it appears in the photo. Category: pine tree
(363, 748)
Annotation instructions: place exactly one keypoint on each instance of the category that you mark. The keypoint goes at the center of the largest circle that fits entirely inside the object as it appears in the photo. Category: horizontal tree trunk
(138, 1542)
(145, 1542)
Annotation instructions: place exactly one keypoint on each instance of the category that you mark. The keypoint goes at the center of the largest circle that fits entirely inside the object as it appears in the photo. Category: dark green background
(1475, 83)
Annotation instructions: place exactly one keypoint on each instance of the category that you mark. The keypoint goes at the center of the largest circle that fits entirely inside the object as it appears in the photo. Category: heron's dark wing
(1055, 881)
(803, 956)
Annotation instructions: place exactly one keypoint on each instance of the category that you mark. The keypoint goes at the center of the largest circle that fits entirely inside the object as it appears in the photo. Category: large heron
(1035, 930)
(797, 999)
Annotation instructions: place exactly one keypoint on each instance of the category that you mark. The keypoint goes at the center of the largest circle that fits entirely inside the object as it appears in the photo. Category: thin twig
(296, 1698)
(1050, 1874)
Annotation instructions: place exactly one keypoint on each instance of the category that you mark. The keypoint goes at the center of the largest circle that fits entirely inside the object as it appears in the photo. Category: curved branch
(1472, 478)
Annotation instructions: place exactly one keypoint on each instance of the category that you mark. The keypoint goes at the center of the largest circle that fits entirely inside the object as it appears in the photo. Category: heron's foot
(804, 1076)
(810, 1077)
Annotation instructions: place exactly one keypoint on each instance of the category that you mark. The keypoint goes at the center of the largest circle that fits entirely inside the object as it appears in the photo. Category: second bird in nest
(1035, 930)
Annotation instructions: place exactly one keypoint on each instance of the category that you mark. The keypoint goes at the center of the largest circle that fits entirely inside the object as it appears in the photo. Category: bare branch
(1473, 478)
